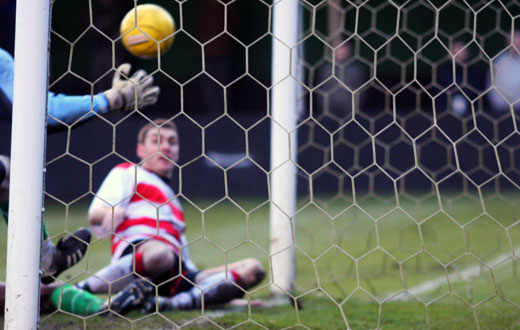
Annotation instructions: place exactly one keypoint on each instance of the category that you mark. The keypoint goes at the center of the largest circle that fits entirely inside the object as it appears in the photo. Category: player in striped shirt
(138, 208)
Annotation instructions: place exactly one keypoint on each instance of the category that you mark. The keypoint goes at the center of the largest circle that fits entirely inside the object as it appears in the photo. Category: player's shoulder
(507, 58)
(122, 169)
(123, 166)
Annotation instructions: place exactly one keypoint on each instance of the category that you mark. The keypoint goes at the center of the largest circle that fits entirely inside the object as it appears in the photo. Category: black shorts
(178, 279)
(172, 283)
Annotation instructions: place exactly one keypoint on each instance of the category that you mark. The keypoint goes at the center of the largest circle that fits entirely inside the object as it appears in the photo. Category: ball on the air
(153, 29)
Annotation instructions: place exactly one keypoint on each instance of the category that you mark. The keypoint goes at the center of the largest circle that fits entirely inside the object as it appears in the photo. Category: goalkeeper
(68, 109)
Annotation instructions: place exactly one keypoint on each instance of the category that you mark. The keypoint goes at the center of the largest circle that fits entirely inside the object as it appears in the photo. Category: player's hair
(162, 123)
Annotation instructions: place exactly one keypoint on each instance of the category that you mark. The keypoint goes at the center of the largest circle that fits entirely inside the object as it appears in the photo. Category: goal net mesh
(408, 154)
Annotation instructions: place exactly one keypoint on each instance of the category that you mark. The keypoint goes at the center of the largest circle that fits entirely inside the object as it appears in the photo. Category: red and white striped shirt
(151, 209)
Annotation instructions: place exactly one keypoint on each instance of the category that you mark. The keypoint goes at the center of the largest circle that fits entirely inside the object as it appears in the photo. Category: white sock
(217, 290)
(116, 276)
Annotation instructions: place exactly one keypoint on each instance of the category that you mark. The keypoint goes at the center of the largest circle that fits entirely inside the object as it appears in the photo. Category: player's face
(159, 151)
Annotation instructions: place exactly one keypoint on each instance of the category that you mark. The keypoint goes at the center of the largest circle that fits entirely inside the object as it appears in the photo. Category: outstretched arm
(126, 90)
(68, 109)
(102, 217)
(108, 208)
(126, 93)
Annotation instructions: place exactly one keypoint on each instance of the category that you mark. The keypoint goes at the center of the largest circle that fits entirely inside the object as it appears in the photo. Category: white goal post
(284, 113)
(27, 163)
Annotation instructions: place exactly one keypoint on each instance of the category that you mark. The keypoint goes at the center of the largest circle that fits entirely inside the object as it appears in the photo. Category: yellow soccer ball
(154, 28)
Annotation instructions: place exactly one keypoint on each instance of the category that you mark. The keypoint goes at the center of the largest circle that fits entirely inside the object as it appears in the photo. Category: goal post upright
(27, 164)
(284, 115)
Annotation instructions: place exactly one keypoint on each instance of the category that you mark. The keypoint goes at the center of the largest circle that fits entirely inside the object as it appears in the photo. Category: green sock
(76, 300)
(45, 234)
(4, 211)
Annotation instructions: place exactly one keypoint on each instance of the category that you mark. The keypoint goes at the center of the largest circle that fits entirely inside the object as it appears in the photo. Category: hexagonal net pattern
(407, 162)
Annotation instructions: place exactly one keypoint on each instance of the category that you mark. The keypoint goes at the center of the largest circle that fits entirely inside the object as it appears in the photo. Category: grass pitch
(372, 265)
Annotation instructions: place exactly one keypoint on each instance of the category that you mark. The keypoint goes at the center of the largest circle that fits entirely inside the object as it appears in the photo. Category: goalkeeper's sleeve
(67, 109)
(61, 108)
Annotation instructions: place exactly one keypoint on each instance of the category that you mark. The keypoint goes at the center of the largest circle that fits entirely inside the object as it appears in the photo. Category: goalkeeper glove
(125, 92)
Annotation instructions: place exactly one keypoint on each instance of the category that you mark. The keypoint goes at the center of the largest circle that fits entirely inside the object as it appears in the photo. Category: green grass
(350, 262)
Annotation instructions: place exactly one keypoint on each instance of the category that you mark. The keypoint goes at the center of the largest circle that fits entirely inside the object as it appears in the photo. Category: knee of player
(159, 260)
(254, 273)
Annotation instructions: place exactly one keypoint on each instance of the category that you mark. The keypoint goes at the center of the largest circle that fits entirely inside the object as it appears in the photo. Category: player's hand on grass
(154, 304)
(104, 220)
(125, 92)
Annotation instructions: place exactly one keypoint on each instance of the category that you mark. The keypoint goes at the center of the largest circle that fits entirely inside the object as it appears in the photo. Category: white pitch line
(273, 302)
(465, 274)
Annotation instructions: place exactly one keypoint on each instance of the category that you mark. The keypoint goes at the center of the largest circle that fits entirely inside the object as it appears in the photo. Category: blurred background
(391, 101)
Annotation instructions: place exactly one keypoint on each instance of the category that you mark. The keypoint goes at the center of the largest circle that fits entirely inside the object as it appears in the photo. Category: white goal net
(407, 159)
